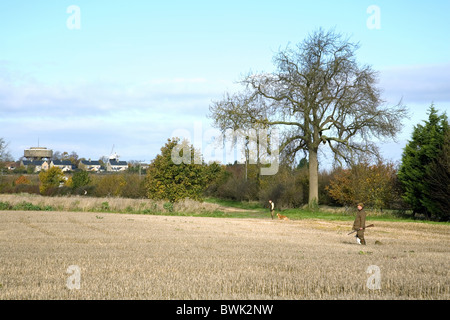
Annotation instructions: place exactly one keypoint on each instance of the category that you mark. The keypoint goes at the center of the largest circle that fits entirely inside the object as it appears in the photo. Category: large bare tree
(318, 96)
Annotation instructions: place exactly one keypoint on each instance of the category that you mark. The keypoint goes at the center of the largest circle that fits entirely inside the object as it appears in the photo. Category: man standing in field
(271, 207)
(360, 224)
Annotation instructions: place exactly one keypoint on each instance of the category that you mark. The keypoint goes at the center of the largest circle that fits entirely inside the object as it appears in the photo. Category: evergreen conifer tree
(425, 147)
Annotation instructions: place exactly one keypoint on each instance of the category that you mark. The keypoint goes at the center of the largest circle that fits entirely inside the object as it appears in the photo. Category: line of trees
(419, 183)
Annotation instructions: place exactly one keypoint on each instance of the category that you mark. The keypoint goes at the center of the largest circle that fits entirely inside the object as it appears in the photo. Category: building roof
(117, 163)
(62, 162)
(33, 162)
(91, 162)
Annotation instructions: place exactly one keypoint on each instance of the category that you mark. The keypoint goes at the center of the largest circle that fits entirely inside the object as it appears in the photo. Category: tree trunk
(313, 179)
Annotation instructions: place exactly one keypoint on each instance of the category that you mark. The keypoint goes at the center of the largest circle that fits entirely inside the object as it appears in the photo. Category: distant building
(38, 165)
(10, 165)
(114, 165)
(37, 153)
(35, 156)
(88, 165)
(64, 165)
(39, 159)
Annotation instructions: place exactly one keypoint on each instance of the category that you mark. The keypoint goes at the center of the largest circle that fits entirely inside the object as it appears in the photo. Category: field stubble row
(172, 257)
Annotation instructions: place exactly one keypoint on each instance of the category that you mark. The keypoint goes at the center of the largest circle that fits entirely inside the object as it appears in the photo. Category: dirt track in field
(124, 256)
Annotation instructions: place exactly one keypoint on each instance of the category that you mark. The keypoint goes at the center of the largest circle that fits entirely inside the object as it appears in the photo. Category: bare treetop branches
(320, 89)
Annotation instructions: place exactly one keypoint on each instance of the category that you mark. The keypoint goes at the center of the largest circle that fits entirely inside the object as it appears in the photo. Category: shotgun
(370, 225)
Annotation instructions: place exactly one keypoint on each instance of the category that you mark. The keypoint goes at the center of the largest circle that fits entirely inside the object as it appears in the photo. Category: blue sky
(135, 71)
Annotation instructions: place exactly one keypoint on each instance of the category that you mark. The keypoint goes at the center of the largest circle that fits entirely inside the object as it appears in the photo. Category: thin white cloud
(138, 117)
(417, 83)
(158, 95)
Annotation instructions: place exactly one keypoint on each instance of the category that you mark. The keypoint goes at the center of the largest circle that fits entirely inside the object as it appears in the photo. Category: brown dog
(281, 217)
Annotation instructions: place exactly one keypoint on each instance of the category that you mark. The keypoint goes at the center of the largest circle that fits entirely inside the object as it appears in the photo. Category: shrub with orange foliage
(375, 185)
(22, 180)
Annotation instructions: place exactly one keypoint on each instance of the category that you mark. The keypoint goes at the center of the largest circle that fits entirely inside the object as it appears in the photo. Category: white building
(114, 165)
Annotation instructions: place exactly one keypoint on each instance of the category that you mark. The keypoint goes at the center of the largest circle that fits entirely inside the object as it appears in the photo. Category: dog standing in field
(281, 217)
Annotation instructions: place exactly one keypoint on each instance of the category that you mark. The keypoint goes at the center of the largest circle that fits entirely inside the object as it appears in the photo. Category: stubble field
(125, 256)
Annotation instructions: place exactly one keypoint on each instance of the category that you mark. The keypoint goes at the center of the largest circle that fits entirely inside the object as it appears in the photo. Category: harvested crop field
(83, 255)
